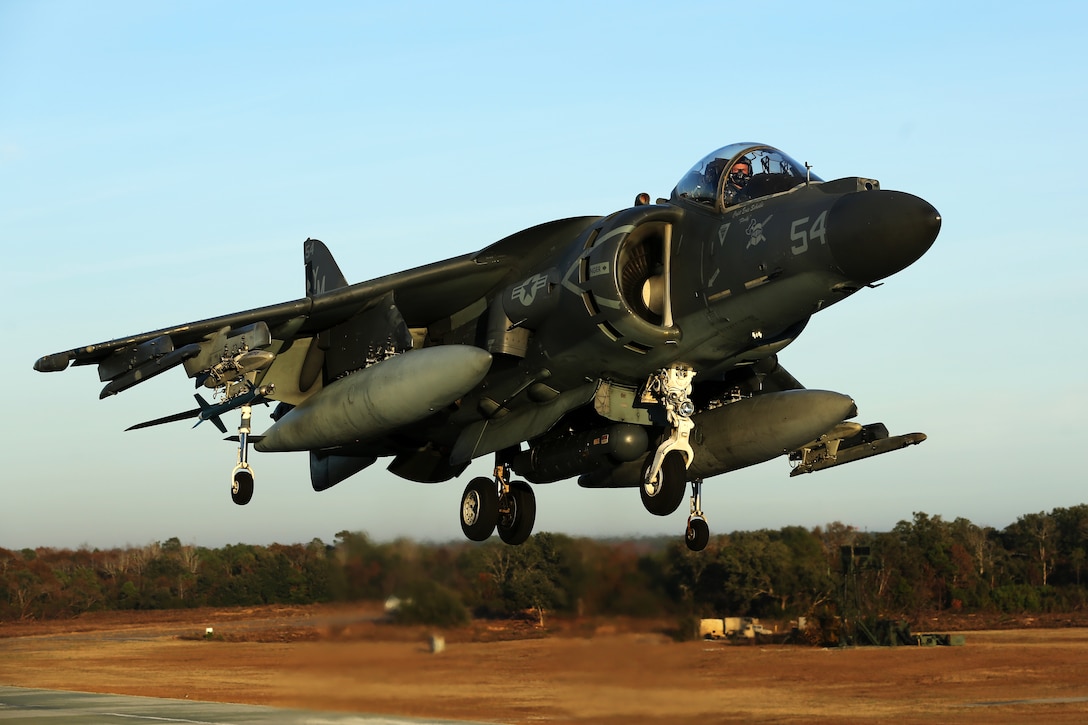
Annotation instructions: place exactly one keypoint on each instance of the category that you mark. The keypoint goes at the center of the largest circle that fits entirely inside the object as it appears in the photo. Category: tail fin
(322, 273)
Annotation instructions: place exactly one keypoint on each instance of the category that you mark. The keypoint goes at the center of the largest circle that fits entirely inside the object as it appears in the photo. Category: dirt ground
(593, 672)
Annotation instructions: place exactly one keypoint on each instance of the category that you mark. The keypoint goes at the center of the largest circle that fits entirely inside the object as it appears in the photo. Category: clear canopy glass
(741, 172)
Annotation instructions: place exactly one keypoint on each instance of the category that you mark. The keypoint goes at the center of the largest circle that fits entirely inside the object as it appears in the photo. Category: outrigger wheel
(697, 535)
(241, 485)
(241, 478)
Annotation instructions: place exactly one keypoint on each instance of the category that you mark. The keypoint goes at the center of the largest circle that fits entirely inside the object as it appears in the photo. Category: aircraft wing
(846, 442)
(774, 378)
(421, 296)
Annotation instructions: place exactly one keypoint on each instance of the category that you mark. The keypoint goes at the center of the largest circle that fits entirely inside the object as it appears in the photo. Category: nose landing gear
(662, 494)
(666, 472)
(663, 479)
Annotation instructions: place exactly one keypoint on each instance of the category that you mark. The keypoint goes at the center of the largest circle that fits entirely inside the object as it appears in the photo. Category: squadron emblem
(755, 232)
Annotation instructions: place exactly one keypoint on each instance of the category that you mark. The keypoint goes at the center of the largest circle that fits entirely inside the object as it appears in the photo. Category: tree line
(921, 566)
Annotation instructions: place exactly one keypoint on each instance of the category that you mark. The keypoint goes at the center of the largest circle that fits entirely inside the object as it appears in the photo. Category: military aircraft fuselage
(742, 282)
(678, 282)
(634, 349)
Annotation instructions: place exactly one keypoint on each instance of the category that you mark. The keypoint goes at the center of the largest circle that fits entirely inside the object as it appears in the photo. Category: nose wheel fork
(671, 388)
(665, 471)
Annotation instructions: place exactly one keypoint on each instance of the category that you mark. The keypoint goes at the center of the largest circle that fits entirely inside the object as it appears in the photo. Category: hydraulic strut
(241, 478)
(671, 387)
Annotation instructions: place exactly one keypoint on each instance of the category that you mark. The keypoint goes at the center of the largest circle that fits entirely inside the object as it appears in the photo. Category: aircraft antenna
(808, 173)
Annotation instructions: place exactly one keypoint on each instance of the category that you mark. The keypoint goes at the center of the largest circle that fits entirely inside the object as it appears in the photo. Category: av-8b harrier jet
(635, 350)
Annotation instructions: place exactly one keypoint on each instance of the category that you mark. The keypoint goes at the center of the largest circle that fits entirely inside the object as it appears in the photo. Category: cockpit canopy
(738, 173)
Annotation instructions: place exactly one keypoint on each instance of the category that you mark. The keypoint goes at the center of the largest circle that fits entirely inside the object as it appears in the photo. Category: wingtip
(53, 363)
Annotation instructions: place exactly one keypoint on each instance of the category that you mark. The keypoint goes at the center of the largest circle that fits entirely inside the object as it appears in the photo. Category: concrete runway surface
(52, 707)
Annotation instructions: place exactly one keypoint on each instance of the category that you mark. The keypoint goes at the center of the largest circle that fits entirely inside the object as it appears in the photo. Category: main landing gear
(499, 503)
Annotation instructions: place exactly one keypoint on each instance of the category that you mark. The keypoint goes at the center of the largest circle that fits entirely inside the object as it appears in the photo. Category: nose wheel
(663, 494)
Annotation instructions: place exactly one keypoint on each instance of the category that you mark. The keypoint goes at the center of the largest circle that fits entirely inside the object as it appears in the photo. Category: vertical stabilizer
(322, 272)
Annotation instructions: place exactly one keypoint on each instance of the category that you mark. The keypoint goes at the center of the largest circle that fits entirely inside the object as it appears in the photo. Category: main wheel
(516, 525)
(241, 485)
(663, 495)
(479, 509)
(698, 534)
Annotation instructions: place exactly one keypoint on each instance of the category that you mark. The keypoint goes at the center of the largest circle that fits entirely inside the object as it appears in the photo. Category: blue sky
(163, 162)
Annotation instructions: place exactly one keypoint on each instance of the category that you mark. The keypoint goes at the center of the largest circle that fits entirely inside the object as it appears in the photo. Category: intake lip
(874, 234)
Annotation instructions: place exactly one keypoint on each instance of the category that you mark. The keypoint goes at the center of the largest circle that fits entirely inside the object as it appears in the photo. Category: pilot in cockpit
(735, 184)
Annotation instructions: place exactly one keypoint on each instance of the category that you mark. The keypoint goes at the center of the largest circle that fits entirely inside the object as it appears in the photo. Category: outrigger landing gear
(698, 532)
(509, 506)
(241, 478)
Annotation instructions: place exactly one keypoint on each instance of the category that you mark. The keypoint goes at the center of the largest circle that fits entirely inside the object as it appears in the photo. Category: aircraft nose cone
(874, 234)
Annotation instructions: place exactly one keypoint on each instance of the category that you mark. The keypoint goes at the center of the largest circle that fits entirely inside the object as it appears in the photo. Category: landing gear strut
(665, 474)
(666, 471)
(241, 478)
(671, 388)
(698, 532)
(509, 506)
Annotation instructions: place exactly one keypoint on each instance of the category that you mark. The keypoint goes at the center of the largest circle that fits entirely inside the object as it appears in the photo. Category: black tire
(479, 509)
(516, 527)
(665, 495)
(241, 486)
(698, 534)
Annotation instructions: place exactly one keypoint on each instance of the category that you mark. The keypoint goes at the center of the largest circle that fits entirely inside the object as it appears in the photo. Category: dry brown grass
(599, 672)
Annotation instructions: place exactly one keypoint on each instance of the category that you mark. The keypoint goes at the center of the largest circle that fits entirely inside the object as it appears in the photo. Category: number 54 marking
(802, 236)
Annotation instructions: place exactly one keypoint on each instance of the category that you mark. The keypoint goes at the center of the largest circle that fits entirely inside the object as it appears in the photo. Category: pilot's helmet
(738, 176)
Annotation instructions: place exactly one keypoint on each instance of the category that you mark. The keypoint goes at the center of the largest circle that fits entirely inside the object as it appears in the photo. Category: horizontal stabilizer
(828, 451)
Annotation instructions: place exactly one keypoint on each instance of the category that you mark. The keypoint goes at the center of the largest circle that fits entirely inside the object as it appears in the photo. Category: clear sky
(163, 162)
